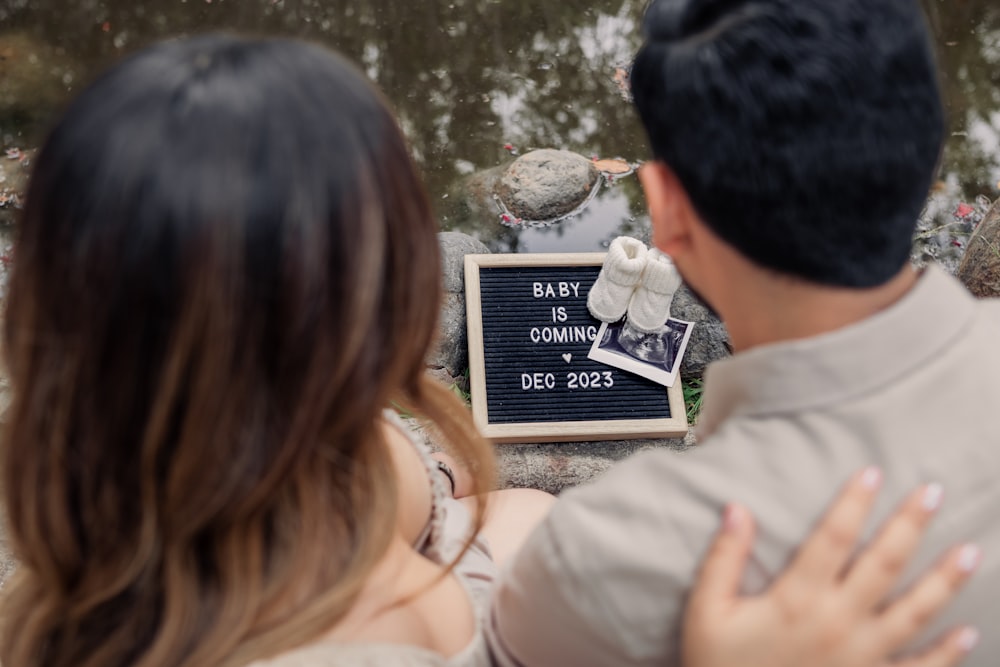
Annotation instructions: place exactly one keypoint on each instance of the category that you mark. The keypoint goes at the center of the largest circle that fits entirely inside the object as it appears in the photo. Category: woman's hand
(827, 609)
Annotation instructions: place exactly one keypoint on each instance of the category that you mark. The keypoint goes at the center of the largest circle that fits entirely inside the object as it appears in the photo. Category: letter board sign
(531, 381)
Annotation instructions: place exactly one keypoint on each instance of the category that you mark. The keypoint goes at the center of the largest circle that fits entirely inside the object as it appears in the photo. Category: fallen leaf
(613, 166)
(622, 82)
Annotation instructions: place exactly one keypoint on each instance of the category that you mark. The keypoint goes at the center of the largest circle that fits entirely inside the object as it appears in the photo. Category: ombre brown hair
(226, 270)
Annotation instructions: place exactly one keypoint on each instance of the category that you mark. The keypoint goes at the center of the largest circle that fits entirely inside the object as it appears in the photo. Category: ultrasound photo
(656, 356)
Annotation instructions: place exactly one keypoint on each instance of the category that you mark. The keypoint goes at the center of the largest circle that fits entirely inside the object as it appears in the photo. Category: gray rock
(451, 352)
(709, 340)
(547, 184)
(454, 247)
(980, 267)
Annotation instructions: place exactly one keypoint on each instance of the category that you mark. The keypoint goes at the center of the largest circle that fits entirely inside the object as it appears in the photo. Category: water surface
(468, 77)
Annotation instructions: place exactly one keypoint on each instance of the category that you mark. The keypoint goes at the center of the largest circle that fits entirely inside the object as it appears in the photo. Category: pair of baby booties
(636, 281)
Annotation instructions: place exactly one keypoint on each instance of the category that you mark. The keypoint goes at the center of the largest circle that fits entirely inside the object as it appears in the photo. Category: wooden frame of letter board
(564, 431)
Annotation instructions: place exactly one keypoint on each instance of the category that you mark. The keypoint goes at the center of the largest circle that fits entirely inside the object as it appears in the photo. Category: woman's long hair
(226, 269)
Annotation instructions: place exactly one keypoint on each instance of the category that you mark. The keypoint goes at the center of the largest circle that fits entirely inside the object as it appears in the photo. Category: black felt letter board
(531, 339)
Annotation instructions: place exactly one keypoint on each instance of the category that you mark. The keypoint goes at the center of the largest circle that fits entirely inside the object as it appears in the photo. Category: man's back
(912, 390)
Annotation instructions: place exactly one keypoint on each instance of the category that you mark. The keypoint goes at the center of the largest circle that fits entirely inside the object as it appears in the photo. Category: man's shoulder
(658, 501)
(988, 311)
(658, 511)
(705, 472)
(604, 578)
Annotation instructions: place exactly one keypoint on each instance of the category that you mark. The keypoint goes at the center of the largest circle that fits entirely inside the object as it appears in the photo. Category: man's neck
(772, 309)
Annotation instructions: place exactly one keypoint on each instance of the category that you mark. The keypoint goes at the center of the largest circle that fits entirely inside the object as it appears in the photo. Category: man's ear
(670, 209)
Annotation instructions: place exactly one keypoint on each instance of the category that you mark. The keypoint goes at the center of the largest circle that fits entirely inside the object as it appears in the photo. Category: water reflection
(469, 76)
(968, 37)
(590, 231)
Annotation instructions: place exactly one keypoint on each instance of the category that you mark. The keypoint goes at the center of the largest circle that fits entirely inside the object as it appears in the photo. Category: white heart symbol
(567, 357)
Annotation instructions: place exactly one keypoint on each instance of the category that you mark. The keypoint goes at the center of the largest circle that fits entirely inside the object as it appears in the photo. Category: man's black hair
(806, 132)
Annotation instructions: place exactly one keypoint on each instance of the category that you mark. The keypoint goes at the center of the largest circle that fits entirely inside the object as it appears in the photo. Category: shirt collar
(797, 375)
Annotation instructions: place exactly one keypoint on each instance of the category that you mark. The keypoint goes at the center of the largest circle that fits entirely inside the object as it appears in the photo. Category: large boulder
(452, 350)
(980, 267)
(709, 340)
(547, 184)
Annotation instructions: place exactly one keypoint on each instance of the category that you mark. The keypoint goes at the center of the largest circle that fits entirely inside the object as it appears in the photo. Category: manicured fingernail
(933, 495)
(871, 478)
(969, 557)
(968, 638)
(734, 518)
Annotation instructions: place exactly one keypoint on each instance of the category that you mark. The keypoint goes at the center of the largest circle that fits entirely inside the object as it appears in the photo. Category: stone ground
(558, 466)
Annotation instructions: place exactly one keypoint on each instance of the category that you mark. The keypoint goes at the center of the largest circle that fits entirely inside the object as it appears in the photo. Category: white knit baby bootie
(623, 266)
(650, 305)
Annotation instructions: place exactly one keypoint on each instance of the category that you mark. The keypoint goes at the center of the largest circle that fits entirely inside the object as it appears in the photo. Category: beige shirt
(914, 389)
